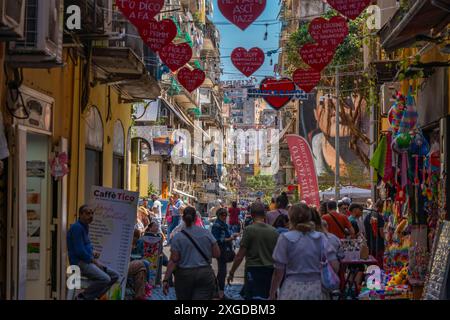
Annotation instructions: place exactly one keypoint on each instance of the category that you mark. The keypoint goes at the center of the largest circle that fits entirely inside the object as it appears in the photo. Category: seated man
(81, 253)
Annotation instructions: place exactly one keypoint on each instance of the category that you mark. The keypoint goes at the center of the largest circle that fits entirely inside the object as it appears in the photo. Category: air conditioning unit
(12, 19)
(43, 39)
(36, 107)
(387, 93)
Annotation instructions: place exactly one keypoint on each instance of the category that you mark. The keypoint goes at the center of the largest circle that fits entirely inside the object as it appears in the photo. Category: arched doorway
(93, 169)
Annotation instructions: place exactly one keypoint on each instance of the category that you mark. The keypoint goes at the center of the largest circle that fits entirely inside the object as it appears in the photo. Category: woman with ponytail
(192, 251)
(297, 258)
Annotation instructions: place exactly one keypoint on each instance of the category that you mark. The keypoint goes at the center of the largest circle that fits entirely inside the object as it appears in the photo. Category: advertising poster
(111, 231)
(36, 171)
(303, 161)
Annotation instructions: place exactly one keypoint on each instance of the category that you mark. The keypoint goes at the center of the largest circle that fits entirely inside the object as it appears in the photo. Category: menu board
(111, 232)
(436, 283)
(35, 180)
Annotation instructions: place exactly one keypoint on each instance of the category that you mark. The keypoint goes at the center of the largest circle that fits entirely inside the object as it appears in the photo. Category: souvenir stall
(407, 162)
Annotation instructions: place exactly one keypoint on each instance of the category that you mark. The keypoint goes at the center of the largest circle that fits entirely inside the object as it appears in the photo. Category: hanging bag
(330, 280)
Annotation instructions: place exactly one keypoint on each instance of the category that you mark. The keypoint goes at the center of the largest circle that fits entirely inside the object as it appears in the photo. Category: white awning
(221, 186)
(185, 194)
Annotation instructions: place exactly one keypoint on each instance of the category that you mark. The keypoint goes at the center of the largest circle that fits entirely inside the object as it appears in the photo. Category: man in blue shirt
(175, 212)
(81, 253)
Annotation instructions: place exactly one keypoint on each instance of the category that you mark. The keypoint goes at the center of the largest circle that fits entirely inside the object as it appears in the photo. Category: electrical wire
(14, 94)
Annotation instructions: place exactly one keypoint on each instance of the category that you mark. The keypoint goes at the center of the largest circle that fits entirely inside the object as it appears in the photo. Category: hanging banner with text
(303, 161)
(111, 232)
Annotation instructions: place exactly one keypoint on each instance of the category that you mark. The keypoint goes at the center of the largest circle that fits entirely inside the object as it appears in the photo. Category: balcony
(121, 63)
(96, 23)
(420, 20)
(211, 40)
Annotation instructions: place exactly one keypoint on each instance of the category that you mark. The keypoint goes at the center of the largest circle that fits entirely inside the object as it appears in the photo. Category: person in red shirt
(235, 224)
(338, 223)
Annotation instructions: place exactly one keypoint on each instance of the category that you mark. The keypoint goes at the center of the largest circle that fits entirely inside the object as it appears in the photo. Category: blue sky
(232, 37)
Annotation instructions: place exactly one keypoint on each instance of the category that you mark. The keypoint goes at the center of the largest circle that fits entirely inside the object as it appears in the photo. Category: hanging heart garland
(140, 12)
(277, 92)
(306, 79)
(158, 34)
(350, 8)
(247, 62)
(329, 33)
(317, 56)
(241, 13)
(191, 80)
(176, 55)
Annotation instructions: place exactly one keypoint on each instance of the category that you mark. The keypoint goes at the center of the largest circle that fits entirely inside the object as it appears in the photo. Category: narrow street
(316, 133)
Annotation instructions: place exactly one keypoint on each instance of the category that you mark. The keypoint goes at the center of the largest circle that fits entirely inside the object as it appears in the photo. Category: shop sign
(111, 231)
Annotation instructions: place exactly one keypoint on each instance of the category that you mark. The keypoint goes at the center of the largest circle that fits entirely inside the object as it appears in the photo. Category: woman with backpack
(192, 251)
(221, 232)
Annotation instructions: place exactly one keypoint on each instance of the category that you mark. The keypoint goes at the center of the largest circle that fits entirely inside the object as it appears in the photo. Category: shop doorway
(30, 218)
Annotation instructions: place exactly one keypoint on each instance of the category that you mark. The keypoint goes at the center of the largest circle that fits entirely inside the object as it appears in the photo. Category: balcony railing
(129, 37)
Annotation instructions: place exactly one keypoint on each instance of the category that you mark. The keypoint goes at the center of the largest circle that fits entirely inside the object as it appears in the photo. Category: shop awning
(424, 18)
(222, 187)
(178, 112)
(185, 194)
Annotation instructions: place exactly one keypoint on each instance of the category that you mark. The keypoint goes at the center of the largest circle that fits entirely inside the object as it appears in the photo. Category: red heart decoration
(191, 80)
(242, 13)
(176, 55)
(277, 100)
(329, 32)
(350, 8)
(140, 12)
(306, 79)
(247, 62)
(316, 56)
(158, 34)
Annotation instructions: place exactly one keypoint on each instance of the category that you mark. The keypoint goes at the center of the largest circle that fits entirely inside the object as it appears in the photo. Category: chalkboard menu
(435, 286)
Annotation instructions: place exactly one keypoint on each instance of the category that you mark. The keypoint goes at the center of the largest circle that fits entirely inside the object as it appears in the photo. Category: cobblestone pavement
(232, 291)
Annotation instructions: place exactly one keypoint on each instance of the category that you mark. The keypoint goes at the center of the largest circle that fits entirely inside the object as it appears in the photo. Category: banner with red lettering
(303, 161)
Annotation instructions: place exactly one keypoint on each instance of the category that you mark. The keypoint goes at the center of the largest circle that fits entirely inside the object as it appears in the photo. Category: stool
(72, 293)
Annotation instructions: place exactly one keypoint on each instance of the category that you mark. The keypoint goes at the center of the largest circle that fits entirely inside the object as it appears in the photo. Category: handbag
(329, 278)
(227, 253)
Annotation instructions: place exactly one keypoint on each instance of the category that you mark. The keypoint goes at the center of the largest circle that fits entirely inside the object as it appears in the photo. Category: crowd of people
(285, 247)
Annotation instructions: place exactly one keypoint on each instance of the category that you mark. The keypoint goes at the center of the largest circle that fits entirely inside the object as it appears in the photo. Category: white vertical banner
(111, 232)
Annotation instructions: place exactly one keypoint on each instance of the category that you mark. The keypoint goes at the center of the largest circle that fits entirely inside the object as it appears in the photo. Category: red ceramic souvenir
(247, 62)
(316, 56)
(176, 55)
(191, 80)
(241, 13)
(140, 12)
(329, 32)
(306, 79)
(158, 34)
(277, 93)
(350, 8)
